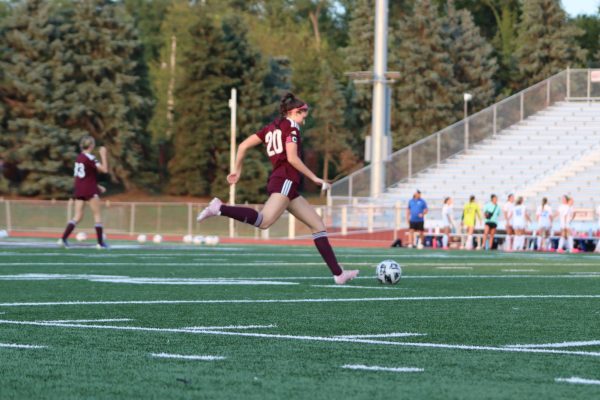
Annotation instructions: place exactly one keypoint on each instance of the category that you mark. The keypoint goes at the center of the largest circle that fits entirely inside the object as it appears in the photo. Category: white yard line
(307, 338)
(187, 357)
(557, 345)
(21, 346)
(58, 321)
(358, 287)
(383, 335)
(520, 270)
(315, 300)
(214, 328)
(577, 380)
(377, 368)
(453, 267)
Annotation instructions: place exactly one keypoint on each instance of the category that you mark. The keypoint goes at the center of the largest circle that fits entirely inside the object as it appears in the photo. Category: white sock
(445, 240)
(518, 242)
(597, 250)
(507, 243)
(539, 242)
(561, 243)
(469, 245)
(570, 241)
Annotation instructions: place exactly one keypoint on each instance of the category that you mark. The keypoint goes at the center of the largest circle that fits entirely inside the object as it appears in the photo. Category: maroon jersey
(275, 136)
(86, 185)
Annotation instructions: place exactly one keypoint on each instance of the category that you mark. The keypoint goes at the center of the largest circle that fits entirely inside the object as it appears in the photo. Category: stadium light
(233, 107)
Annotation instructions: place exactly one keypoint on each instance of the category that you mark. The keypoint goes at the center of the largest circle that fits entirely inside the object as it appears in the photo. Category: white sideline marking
(214, 328)
(187, 357)
(557, 345)
(453, 267)
(58, 321)
(520, 270)
(308, 338)
(22, 346)
(383, 335)
(321, 300)
(358, 287)
(584, 273)
(577, 380)
(376, 368)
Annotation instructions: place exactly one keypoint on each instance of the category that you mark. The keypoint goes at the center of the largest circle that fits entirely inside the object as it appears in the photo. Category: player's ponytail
(288, 103)
(544, 201)
(86, 142)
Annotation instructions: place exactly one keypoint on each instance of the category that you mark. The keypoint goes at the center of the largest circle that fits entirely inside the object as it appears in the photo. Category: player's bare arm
(291, 149)
(249, 142)
(103, 167)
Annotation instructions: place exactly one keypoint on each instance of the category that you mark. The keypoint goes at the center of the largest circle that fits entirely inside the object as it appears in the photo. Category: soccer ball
(157, 239)
(3, 233)
(187, 239)
(212, 240)
(198, 239)
(142, 238)
(81, 236)
(389, 272)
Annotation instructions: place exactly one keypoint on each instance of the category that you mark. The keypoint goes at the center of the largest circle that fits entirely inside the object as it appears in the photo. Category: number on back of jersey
(79, 170)
(274, 144)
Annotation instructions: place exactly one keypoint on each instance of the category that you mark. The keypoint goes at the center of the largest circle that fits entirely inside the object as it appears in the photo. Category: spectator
(448, 223)
(491, 212)
(471, 214)
(415, 214)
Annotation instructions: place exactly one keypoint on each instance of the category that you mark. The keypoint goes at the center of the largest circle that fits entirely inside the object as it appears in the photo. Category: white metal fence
(568, 85)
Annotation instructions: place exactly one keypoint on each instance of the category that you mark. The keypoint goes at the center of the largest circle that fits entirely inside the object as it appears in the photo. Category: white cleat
(345, 276)
(212, 210)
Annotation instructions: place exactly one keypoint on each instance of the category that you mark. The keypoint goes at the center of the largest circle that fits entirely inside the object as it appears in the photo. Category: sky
(576, 7)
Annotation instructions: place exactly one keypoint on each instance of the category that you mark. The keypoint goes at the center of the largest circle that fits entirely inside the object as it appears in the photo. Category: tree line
(151, 79)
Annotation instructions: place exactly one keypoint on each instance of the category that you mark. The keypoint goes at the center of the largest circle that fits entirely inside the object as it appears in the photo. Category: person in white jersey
(544, 225)
(520, 219)
(597, 250)
(448, 223)
(507, 211)
(565, 216)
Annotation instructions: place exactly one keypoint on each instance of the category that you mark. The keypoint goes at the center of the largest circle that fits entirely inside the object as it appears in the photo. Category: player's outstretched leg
(243, 214)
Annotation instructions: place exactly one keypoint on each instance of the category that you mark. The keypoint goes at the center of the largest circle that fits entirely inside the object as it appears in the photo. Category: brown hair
(86, 142)
(288, 103)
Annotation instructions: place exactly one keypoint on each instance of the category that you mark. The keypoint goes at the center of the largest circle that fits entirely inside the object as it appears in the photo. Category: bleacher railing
(402, 165)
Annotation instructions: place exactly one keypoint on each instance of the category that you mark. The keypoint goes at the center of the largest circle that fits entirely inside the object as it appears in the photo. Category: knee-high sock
(469, 244)
(507, 243)
(570, 243)
(243, 214)
(561, 243)
(539, 242)
(68, 230)
(518, 242)
(597, 250)
(322, 244)
(99, 233)
(445, 241)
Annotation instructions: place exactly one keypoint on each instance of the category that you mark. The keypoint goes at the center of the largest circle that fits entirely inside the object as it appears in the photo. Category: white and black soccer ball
(81, 236)
(157, 238)
(142, 238)
(389, 272)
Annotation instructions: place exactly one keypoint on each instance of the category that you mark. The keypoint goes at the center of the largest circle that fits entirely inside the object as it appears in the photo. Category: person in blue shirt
(415, 214)
(491, 212)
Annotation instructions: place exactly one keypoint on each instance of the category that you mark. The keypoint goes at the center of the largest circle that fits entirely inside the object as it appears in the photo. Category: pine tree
(471, 57)
(425, 92)
(108, 96)
(37, 151)
(546, 42)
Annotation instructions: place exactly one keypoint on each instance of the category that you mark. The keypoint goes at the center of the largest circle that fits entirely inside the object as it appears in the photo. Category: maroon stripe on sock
(99, 234)
(242, 214)
(322, 244)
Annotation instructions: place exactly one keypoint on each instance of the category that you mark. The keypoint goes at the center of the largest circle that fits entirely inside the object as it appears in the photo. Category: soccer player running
(544, 225)
(471, 214)
(283, 145)
(491, 212)
(415, 214)
(87, 189)
(447, 221)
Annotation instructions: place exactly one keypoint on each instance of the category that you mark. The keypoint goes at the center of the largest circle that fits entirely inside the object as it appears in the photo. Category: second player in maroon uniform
(283, 145)
(87, 189)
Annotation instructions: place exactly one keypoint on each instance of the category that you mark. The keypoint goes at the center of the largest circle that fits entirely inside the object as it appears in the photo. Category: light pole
(232, 149)
(467, 97)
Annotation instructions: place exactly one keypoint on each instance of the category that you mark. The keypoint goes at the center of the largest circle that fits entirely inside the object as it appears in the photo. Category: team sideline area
(267, 322)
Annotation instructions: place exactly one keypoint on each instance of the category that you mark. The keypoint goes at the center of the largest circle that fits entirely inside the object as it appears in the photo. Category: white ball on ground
(157, 239)
(212, 240)
(3, 234)
(81, 236)
(142, 238)
(198, 239)
(187, 239)
(389, 272)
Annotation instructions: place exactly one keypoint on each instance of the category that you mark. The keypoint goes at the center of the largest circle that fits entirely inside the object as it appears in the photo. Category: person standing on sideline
(519, 222)
(283, 145)
(87, 189)
(565, 216)
(471, 214)
(544, 225)
(415, 214)
(507, 211)
(491, 212)
(448, 223)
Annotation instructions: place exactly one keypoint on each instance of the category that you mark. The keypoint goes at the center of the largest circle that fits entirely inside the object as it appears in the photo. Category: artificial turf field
(266, 322)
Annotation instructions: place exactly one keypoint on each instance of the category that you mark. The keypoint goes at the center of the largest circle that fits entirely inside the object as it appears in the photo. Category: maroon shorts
(86, 197)
(286, 187)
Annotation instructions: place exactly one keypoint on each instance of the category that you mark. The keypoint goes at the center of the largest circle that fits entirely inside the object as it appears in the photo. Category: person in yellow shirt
(471, 214)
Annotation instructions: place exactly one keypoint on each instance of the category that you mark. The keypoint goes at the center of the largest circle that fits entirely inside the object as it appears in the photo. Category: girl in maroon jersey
(87, 189)
(283, 144)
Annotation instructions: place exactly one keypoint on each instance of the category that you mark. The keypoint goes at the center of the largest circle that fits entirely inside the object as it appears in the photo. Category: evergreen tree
(425, 93)
(471, 57)
(36, 150)
(546, 42)
(108, 96)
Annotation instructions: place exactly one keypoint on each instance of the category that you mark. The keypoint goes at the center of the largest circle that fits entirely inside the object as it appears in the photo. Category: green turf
(106, 362)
